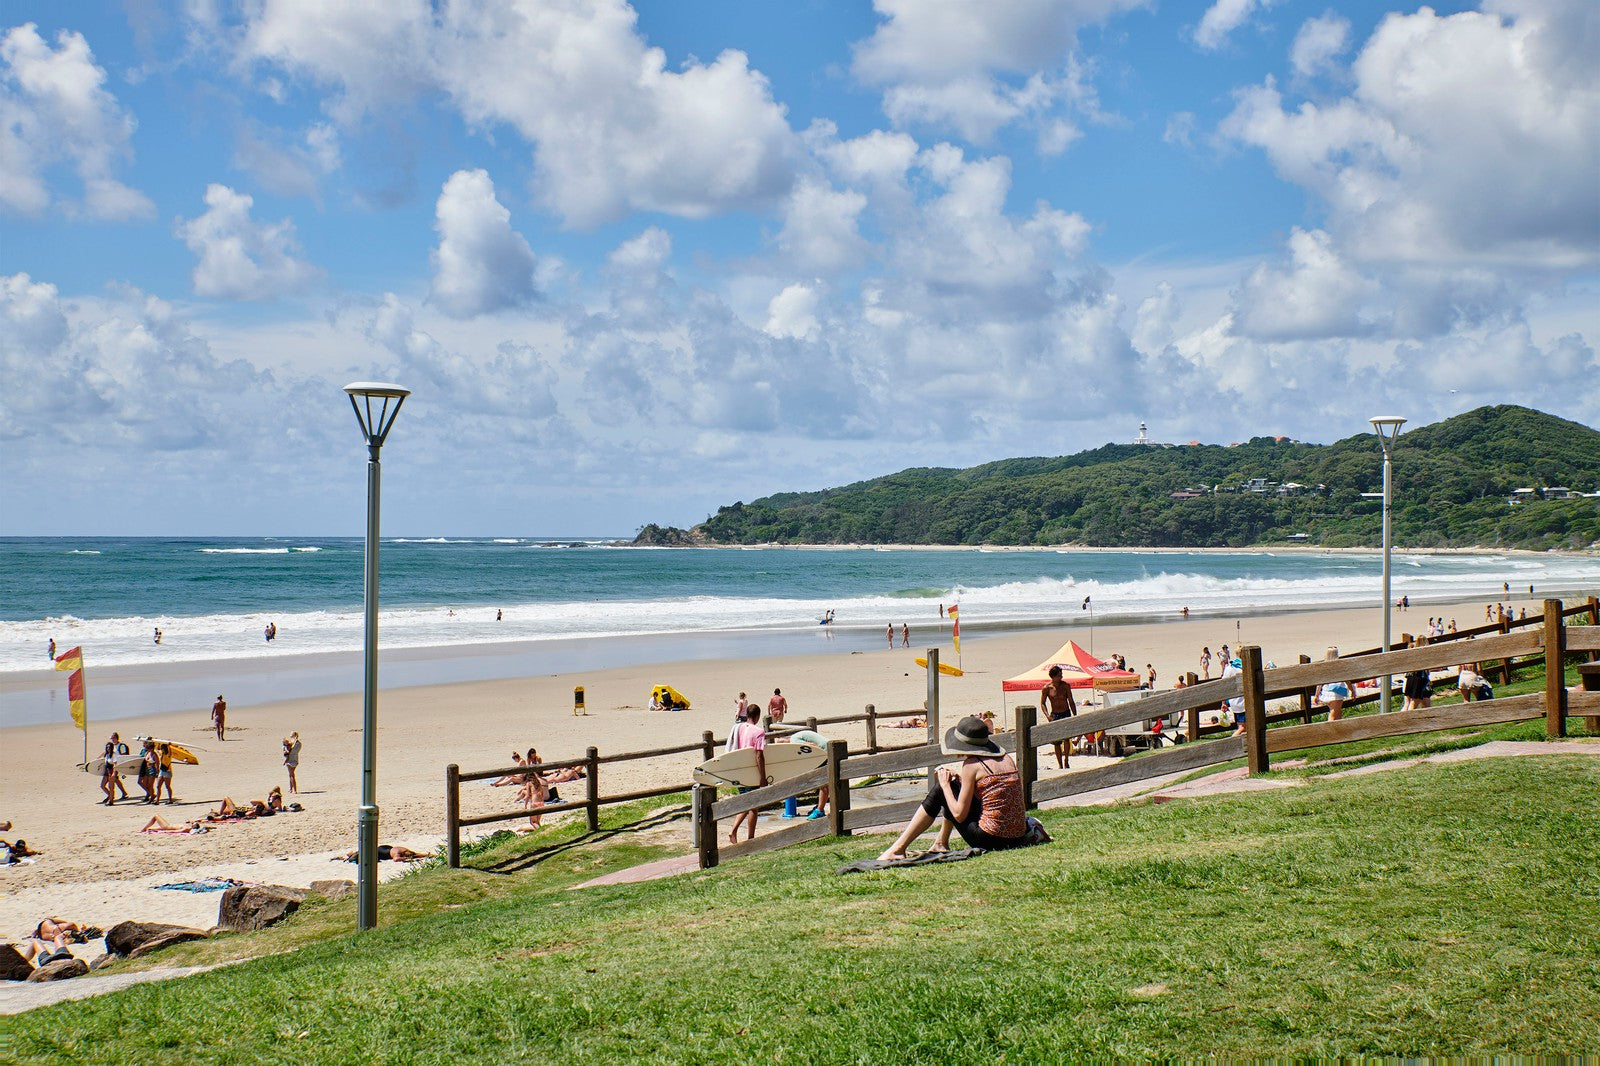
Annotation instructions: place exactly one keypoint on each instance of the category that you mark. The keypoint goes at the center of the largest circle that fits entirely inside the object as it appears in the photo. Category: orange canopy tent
(1078, 669)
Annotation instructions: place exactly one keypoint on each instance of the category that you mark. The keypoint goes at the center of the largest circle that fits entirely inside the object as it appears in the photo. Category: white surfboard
(126, 764)
(739, 767)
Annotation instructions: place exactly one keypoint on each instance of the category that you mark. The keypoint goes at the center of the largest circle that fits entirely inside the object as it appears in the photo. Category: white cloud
(1222, 18)
(613, 130)
(286, 168)
(54, 110)
(976, 68)
(1320, 42)
(240, 259)
(1317, 295)
(793, 313)
(1428, 159)
(481, 264)
(820, 229)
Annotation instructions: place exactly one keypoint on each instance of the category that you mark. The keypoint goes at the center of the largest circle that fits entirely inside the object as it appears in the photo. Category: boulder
(60, 970)
(248, 907)
(13, 967)
(133, 939)
(333, 889)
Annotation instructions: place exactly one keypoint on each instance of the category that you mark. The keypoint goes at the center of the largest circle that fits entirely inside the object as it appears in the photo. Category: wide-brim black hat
(970, 736)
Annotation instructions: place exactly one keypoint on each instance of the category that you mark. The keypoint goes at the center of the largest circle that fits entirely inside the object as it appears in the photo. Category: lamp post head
(1387, 427)
(377, 405)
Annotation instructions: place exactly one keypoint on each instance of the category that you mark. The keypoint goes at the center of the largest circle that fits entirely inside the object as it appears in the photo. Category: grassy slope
(1441, 909)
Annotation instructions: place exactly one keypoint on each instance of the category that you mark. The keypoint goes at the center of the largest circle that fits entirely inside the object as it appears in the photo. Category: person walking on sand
(164, 772)
(219, 716)
(750, 735)
(905, 634)
(740, 706)
(1056, 698)
(1205, 663)
(291, 758)
(777, 706)
(149, 769)
(891, 634)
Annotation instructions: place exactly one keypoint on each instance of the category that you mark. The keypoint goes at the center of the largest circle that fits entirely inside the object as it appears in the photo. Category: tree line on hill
(1452, 483)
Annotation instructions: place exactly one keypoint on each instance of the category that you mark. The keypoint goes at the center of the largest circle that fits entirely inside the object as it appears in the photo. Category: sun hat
(970, 736)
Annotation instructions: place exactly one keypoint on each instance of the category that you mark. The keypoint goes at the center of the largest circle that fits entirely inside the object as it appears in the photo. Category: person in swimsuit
(291, 759)
(391, 853)
(164, 772)
(981, 800)
(1058, 703)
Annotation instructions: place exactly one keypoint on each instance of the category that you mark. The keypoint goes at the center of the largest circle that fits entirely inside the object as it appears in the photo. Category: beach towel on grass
(926, 858)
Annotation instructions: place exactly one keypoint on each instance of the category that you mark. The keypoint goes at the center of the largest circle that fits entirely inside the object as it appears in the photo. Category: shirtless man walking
(219, 714)
(1056, 698)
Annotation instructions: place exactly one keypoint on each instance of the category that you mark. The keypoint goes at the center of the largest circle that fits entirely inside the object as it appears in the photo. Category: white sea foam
(243, 551)
(82, 551)
(1041, 601)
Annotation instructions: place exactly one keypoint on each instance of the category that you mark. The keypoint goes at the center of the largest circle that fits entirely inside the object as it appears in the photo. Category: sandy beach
(96, 867)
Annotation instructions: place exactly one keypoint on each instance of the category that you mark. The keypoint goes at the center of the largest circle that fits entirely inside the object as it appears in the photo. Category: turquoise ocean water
(569, 602)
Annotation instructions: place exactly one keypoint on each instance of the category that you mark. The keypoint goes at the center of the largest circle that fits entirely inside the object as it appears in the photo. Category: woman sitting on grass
(982, 800)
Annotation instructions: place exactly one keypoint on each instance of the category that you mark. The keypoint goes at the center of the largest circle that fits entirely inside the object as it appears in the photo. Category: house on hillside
(1519, 496)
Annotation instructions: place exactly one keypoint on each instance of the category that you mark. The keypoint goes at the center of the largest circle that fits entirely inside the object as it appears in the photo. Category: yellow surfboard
(944, 668)
(180, 754)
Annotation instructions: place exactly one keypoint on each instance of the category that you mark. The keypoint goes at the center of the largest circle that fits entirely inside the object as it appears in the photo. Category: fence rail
(1545, 639)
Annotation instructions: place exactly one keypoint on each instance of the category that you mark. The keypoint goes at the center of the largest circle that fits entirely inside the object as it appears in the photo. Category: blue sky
(637, 262)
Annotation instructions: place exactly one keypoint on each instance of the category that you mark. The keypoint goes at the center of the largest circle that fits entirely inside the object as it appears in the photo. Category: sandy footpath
(97, 867)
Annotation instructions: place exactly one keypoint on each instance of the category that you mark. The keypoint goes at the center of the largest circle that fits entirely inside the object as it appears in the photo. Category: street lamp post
(1388, 429)
(376, 404)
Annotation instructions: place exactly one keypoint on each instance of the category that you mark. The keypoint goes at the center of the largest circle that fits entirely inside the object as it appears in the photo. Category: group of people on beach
(155, 771)
(537, 788)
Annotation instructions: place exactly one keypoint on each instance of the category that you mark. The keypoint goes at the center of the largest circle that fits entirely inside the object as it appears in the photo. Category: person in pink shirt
(777, 706)
(749, 734)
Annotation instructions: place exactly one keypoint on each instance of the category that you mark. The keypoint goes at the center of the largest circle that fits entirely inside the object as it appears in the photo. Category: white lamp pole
(1388, 429)
(376, 404)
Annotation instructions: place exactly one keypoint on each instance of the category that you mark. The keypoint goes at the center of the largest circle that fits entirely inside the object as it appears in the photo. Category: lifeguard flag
(953, 613)
(72, 659)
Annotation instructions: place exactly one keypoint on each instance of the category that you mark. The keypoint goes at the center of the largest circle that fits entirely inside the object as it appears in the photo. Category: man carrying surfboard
(749, 734)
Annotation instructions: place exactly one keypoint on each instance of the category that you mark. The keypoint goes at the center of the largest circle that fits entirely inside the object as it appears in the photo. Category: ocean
(213, 598)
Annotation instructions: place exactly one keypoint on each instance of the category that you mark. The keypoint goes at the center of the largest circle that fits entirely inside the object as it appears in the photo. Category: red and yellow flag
(953, 613)
(73, 660)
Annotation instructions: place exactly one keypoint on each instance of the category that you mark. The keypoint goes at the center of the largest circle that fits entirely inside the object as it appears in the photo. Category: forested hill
(1452, 483)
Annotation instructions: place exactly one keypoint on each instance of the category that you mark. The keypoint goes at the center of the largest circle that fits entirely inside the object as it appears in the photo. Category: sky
(639, 262)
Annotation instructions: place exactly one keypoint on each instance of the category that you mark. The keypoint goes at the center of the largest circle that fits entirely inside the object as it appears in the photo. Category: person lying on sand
(158, 824)
(19, 848)
(50, 929)
(909, 723)
(394, 852)
(43, 952)
(231, 811)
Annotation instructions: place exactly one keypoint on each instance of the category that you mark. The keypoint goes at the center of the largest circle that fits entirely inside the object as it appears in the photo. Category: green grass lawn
(1432, 910)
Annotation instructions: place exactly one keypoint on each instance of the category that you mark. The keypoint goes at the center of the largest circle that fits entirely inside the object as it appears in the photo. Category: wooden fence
(1547, 639)
(707, 747)
(1255, 685)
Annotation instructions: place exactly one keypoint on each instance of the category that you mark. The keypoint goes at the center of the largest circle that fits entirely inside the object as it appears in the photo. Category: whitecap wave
(243, 551)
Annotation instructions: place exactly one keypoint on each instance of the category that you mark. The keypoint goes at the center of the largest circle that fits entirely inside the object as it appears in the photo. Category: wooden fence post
(872, 730)
(1305, 697)
(452, 815)
(1505, 664)
(811, 723)
(838, 787)
(1555, 681)
(705, 826)
(1027, 754)
(1594, 610)
(708, 745)
(1192, 679)
(593, 772)
(1255, 710)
